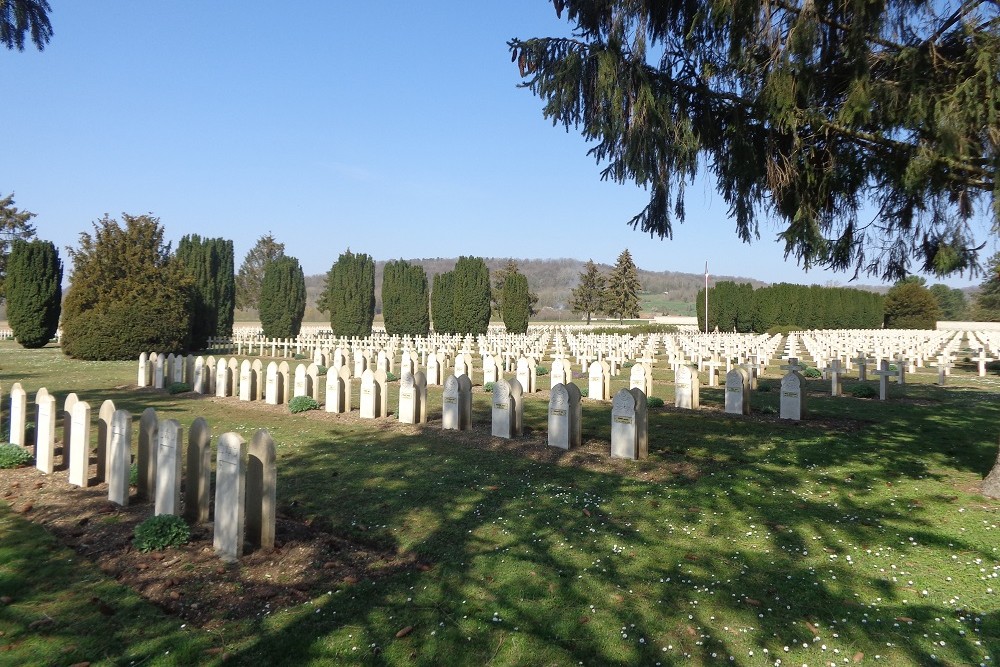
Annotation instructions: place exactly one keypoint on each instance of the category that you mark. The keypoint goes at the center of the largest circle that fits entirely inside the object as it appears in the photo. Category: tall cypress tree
(282, 298)
(404, 299)
(443, 302)
(210, 263)
(516, 302)
(349, 295)
(34, 291)
(471, 296)
(623, 288)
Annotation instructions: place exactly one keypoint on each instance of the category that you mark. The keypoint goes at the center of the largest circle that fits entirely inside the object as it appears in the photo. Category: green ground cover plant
(854, 537)
(160, 532)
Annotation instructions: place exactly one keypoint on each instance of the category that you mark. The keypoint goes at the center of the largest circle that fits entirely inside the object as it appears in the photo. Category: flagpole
(706, 296)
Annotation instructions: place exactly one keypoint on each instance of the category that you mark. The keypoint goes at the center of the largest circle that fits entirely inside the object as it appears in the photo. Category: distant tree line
(740, 307)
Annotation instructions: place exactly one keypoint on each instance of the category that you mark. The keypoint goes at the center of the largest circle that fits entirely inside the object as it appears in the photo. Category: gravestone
(257, 368)
(261, 485)
(491, 370)
(406, 364)
(18, 414)
(198, 384)
(146, 454)
(199, 472)
(564, 416)
(834, 371)
(360, 363)
(159, 371)
(526, 374)
(461, 368)
(273, 390)
(178, 368)
(230, 496)
(737, 392)
(687, 388)
(66, 418)
(223, 379)
(142, 379)
(286, 382)
(247, 387)
(641, 378)
(409, 401)
(104, 416)
(169, 458)
(45, 432)
(502, 410)
(793, 396)
(629, 438)
(79, 445)
(420, 388)
(210, 365)
(884, 373)
(456, 408)
(595, 387)
(370, 401)
(560, 373)
(301, 383)
(382, 381)
(433, 370)
(120, 459)
(312, 372)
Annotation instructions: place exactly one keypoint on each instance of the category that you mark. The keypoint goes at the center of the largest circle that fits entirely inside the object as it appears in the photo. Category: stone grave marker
(456, 408)
(261, 491)
(169, 458)
(687, 388)
(433, 370)
(79, 445)
(104, 416)
(526, 374)
(301, 382)
(409, 402)
(737, 392)
(286, 382)
(199, 472)
(248, 389)
(491, 371)
(884, 374)
(629, 438)
(595, 386)
(223, 379)
(560, 373)
(564, 416)
(259, 380)
(502, 410)
(420, 388)
(146, 455)
(198, 384)
(18, 414)
(370, 402)
(834, 373)
(45, 432)
(273, 389)
(230, 496)
(792, 403)
(312, 373)
(142, 379)
(120, 458)
(66, 419)
(159, 371)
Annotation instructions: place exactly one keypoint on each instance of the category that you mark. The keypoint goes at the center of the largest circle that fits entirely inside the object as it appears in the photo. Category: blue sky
(392, 128)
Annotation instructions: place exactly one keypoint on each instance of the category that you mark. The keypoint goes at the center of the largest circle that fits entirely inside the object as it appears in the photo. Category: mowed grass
(855, 537)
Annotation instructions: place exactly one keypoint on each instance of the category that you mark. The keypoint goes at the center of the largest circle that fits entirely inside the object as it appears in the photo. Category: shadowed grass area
(854, 537)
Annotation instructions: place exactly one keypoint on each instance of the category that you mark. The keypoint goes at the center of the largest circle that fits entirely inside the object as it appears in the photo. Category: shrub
(811, 372)
(541, 370)
(584, 392)
(863, 391)
(298, 355)
(488, 387)
(321, 369)
(302, 404)
(179, 388)
(654, 402)
(34, 292)
(133, 475)
(628, 364)
(391, 377)
(160, 532)
(13, 456)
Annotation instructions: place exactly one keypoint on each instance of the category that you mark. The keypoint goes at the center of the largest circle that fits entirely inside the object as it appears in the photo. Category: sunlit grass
(854, 537)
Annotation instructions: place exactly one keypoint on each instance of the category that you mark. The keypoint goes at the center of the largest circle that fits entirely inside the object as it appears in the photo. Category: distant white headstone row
(244, 506)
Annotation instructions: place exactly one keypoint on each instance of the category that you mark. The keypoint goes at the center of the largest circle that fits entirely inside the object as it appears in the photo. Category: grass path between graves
(855, 537)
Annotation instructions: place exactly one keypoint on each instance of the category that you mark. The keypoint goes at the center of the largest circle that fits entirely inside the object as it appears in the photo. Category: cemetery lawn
(855, 537)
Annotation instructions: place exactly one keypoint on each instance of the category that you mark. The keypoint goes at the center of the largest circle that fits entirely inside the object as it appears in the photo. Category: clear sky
(392, 128)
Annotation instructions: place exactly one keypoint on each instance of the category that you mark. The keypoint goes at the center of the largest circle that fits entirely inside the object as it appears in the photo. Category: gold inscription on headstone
(623, 420)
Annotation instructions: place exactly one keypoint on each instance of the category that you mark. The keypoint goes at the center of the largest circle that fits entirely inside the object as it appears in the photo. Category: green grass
(858, 530)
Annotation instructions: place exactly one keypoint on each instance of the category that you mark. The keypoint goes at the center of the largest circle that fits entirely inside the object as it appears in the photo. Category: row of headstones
(244, 502)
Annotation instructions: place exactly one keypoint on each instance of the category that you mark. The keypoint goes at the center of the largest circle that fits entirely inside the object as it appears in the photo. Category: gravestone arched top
(559, 396)
(451, 386)
(624, 401)
(501, 391)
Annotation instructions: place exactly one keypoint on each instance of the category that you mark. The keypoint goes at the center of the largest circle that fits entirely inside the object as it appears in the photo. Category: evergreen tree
(471, 296)
(34, 292)
(443, 302)
(808, 112)
(251, 274)
(209, 262)
(349, 295)
(591, 292)
(516, 303)
(987, 300)
(282, 298)
(128, 294)
(404, 299)
(496, 293)
(950, 301)
(14, 225)
(910, 305)
(623, 288)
